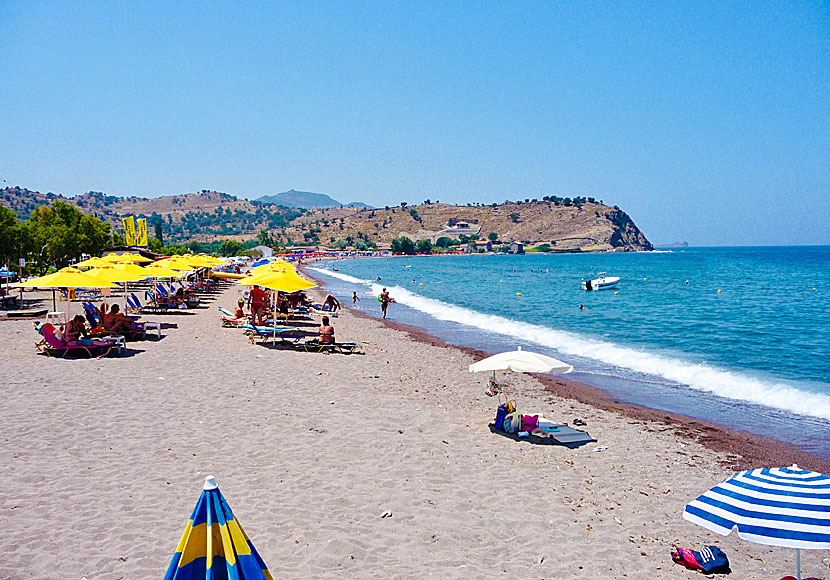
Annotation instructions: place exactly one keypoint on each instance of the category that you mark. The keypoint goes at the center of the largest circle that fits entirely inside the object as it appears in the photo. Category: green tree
(515, 217)
(264, 239)
(230, 248)
(443, 242)
(15, 241)
(403, 245)
(414, 213)
(155, 245)
(424, 247)
(157, 229)
(492, 236)
(64, 233)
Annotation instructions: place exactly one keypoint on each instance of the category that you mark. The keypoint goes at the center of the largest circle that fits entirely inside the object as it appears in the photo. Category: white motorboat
(603, 282)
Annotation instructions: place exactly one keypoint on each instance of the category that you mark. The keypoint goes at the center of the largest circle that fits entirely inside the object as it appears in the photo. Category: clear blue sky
(707, 122)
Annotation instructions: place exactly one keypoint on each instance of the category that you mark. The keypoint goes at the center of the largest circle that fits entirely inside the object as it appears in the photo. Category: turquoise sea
(734, 335)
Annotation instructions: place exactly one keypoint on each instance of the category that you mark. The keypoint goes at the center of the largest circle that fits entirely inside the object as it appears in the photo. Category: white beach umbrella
(521, 361)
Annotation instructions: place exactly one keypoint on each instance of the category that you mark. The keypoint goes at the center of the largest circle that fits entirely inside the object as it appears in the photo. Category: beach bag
(513, 422)
(501, 413)
(709, 560)
(530, 422)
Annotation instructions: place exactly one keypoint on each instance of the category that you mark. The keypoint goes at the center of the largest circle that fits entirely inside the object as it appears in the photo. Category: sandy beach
(104, 459)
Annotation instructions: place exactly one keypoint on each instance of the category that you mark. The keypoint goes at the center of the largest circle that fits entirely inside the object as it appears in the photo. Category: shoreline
(744, 450)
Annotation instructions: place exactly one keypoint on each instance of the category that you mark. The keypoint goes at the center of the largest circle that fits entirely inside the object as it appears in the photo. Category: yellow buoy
(422, 283)
(718, 291)
(814, 289)
(518, 293)
(616, 293)
(645, 279)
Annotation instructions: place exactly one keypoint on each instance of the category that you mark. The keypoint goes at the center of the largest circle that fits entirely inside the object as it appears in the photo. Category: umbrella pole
(274, 305)
(798, 562)
(54, 304)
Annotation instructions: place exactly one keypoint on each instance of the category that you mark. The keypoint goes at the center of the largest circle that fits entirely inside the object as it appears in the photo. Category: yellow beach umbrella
(113, 273)
(120, 273)
(278, 282)
(126, 256)
(176, 263)
(92, 262)
(66, 278)
(207, 260)
(158, 271)
(281, 281)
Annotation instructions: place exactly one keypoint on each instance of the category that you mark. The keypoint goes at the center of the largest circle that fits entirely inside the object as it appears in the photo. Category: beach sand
(103, 461)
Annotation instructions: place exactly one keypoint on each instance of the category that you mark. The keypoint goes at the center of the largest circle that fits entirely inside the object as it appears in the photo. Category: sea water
(733, 335)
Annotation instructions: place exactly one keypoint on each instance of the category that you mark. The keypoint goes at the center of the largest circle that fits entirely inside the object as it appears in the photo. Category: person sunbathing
(75, 329)
(326, 331)
(115, 321)
(239, 313)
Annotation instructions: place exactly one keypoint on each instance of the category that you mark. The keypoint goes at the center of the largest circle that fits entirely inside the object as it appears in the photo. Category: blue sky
(706, 122)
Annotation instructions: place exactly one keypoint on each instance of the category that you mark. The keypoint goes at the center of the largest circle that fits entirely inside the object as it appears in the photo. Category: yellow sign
(141, 232)
(129, 229)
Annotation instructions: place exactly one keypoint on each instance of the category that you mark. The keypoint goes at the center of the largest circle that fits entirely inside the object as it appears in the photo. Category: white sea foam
(701, 377)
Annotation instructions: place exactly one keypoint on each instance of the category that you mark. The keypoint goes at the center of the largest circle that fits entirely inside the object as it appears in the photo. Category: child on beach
(355, 299)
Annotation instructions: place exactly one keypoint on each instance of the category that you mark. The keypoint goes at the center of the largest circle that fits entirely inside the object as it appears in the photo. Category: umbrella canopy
(177, 263)
(784, 506)
(214, 545)
(212, 260)
(281, 281)
(126, 257)
(156, 271)
(200, 261)
(521, 361)
(66, 278)
(112, 273)
(274, 266)
(92, 262)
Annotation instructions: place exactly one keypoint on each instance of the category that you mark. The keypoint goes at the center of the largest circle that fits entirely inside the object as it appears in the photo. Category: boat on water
(603, 282)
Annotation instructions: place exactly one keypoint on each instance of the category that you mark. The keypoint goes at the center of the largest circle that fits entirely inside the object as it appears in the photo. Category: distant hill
(563, 224)
(306, 200)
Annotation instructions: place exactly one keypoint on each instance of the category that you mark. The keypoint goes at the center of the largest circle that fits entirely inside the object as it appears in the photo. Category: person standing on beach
(385, 299)
(355, 299)
(256, 301)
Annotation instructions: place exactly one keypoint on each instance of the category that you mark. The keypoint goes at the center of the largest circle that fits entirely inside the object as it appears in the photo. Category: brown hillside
(210, 215)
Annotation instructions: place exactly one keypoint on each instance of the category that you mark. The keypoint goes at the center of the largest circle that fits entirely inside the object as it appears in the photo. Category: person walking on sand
(385, 299)
(355, 299)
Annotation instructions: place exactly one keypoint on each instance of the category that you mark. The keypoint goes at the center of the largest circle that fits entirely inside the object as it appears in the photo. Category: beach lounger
(337, 347)
(134, 305)
(255, 332)
(53, 346)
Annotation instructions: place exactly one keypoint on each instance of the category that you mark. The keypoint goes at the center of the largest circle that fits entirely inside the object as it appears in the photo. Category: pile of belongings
(536, 428)
(709, 560)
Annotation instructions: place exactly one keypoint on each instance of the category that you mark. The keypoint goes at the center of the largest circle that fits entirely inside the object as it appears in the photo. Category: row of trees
(54, 235)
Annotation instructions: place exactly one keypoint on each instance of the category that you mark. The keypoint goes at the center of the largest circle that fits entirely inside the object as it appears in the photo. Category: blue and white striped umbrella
(785, 506)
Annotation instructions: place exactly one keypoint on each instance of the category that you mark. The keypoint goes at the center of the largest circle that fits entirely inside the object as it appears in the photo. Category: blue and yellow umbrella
(214, 546)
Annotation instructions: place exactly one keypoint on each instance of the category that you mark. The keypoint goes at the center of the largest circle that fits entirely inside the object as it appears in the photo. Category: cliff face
(204, 216)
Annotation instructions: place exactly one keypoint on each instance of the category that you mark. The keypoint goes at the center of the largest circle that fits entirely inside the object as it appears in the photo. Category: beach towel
(709, 560)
